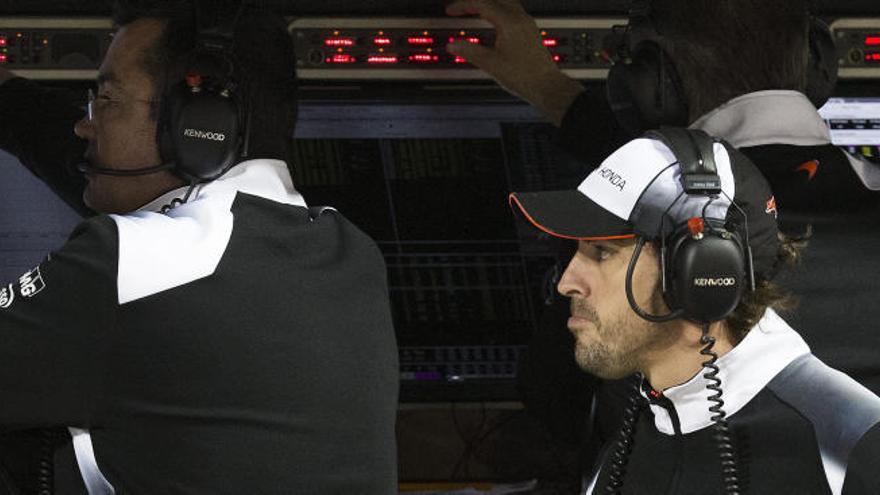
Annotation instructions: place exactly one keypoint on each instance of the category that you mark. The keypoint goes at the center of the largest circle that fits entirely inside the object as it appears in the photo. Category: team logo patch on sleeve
(31, 283)
(7, 296)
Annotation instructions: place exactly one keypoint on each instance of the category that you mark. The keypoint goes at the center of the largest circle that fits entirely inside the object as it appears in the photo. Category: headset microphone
(87, 168)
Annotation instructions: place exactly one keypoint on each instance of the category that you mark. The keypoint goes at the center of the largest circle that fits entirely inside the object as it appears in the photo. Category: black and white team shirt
(799, 426)
(240, 343)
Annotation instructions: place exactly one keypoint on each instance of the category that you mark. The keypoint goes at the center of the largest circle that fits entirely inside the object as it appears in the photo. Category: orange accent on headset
(193, 79)
(514, 200)
(696, 226)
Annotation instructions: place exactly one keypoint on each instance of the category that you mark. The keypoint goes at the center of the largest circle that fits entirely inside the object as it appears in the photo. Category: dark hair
(767, 294)
(263, 52)
(726, 48)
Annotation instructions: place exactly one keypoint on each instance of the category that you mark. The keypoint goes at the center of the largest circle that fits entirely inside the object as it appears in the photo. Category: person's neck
(680, 362)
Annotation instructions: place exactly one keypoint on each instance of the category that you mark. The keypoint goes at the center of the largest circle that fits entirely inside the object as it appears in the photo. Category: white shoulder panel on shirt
(868, 172)
(160, 252)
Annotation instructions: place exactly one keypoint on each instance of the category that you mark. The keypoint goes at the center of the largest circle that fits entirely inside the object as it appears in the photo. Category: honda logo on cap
(615, 179)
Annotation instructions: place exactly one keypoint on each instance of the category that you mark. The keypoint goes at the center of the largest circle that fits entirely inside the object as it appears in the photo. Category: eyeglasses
(93, 108)
(90, 106)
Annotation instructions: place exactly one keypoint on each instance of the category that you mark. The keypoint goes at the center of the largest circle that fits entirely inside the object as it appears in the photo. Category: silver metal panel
(423, 74)
(55, 23)
(855, 23)
(442, 23)
(58, 75)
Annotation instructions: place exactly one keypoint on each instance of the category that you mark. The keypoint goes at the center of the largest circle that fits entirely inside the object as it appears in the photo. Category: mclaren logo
(213, 136)
(715, 282)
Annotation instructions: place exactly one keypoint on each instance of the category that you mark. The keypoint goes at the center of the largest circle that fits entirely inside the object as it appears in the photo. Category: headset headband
(695, 151)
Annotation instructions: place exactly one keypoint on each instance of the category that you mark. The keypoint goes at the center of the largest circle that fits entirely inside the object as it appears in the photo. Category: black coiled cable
(46, 471)
(726, 450)
(625, 440)
(178, 201)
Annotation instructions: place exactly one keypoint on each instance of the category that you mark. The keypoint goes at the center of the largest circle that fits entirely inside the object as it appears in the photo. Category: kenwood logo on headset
(213, 136)
(715, 282)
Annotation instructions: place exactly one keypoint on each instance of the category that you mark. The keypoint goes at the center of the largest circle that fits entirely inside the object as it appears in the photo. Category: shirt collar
(767, 117)
(265, 178)
(744, 371)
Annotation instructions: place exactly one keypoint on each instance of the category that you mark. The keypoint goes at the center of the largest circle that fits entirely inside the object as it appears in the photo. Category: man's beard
(616, 347)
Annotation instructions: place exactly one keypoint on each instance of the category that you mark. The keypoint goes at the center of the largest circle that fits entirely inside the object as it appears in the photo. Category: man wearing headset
(740, 70)
(207, 332)
(672, 279)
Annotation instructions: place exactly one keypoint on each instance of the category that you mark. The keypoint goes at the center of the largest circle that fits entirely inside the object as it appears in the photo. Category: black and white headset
(204, 121)
(706, 263)
(644, 88)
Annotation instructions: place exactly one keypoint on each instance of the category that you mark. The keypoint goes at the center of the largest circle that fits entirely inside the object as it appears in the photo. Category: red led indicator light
(557, 58)
(470, 39)
(460, 60)
(420, 40)
(872, 57)
(3, 58)
(382, 59)
(382, 41)
(341, 58)
(872, 41)
(3, 41)
(551, 42)
(339, 42)
(193, 79)
(424, 58)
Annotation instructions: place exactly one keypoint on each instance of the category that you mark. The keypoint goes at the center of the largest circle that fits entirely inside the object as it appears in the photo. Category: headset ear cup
(706, 277)
(204, 132)
(673, 295)
(645, 92)
(822, 66)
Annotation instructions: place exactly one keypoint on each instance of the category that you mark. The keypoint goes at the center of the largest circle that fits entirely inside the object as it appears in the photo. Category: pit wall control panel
(858, 47)
(59, 49)
(365, 49)
(403, 49)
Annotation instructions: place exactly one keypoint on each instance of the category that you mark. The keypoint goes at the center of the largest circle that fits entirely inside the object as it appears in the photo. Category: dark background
(402, 7)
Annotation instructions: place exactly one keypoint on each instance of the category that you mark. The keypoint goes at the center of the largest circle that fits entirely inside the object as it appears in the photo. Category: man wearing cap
(737, 88)
(729, 386)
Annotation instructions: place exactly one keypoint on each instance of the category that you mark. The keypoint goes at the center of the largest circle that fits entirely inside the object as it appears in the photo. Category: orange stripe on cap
(513, 200)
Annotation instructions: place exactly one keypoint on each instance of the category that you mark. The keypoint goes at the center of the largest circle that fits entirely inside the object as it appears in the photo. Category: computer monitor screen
(855, 124)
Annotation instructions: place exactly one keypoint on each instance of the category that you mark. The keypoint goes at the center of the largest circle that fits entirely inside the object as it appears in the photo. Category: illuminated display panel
(339, 42)
(854, 124)
(420, 40)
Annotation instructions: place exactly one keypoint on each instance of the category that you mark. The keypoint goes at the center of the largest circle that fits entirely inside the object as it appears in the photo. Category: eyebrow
(609, 245)
(604, 244)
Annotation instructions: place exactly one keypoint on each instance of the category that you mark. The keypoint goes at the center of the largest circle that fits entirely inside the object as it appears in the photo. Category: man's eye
(602, 254)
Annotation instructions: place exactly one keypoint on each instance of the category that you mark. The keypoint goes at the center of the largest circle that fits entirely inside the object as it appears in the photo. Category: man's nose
(83, 128)
(572, 283)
